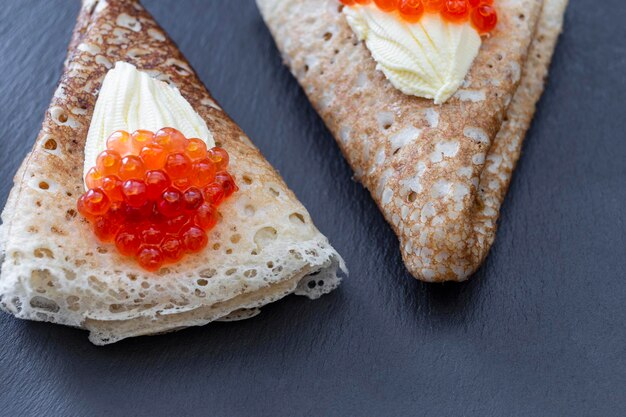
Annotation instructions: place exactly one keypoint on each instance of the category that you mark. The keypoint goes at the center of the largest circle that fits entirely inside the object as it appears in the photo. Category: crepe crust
(438, 173)
(263, 248)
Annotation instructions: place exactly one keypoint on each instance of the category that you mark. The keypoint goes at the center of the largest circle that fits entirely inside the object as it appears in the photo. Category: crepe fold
(263, 248)
(439, 174)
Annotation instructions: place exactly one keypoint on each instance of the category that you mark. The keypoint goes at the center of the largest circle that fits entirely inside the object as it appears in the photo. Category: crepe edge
(241, 307)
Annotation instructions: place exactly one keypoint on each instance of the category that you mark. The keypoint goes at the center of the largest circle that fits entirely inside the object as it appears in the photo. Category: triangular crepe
(438, 173)
(264, 247)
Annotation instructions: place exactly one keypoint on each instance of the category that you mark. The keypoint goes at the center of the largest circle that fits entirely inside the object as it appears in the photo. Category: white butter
(131, 100)
(429, 58)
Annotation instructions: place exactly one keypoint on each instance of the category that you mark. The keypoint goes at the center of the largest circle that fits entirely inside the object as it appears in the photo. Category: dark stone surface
(538, 331)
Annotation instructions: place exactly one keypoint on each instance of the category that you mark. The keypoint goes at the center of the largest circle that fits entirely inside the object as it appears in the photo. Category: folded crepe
(439, 173)
(263, 248)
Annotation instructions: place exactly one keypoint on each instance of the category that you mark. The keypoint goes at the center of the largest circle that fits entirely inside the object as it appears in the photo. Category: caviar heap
(155, 195)
(481, 13)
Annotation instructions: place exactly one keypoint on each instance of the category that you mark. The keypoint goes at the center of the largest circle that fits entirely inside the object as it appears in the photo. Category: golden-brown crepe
(263, 248)
(438, 173)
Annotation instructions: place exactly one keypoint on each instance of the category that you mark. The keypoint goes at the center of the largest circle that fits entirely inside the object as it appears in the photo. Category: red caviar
(112, 187)
(433, 5)
(455, 10)
(131, 168)
(411, 10)
(173, 249)
(480, 13)
(484, 18)
(386, 5)
(155, 195)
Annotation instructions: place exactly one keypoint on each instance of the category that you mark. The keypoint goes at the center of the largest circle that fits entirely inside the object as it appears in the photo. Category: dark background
(538, 331)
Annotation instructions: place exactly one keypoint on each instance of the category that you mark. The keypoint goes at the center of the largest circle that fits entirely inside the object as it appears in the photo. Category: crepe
(263, 248)
(439, 174)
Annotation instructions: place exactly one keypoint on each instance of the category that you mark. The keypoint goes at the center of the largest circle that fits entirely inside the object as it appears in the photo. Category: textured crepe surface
(54, 269)
(438, 173)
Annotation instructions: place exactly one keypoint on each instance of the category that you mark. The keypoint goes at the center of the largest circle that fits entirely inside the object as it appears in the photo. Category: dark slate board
(538, 331)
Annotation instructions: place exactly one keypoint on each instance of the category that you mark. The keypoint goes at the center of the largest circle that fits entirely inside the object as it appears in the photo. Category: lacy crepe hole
(43, 253)
(264, 236)
(59, 115)
(180, 70)
(235, 238)
(328, 36)
(250, 273)
(297, 218)
(41, 279)
(412, 197)
(208, 273)
(274, 191)
(70, 214)
(43, 303)
(116, 308)
(246, 179)
(50, 144)
(44, 185)
(202, 282)
(69, 274)
(137, 52)
(72, 302)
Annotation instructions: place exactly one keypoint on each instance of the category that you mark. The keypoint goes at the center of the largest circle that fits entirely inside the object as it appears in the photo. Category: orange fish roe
(155, 195)
(480, 13)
